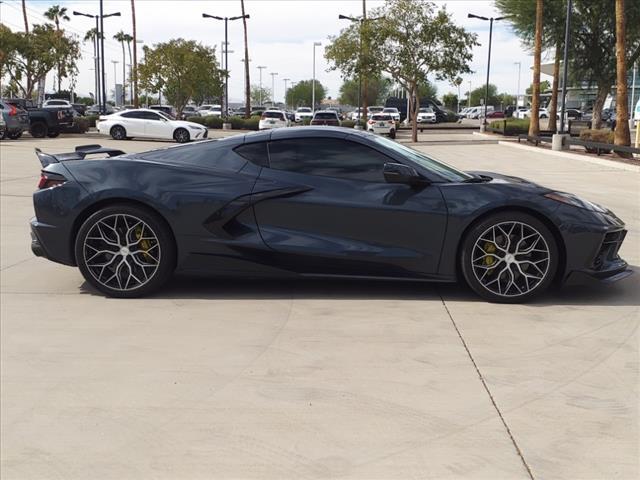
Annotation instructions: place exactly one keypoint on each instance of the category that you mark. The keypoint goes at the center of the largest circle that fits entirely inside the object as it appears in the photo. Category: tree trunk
(365, 83)
(124, 76)
(130, 74)
(413, 105)
(534, 125)
(135, 56)
(601, 96)
(247, 85)
(24, 14)
(622, 134)
(553, 106)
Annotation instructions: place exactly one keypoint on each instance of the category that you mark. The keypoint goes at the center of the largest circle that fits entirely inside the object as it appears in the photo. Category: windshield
(277, 115)
(439, 168)
(304, 110)
(381, 117)
(325, 116)
(425, 110)
(390, 110)
(376, 109)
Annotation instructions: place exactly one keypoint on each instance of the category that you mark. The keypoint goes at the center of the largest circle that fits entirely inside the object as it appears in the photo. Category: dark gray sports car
(312, 201)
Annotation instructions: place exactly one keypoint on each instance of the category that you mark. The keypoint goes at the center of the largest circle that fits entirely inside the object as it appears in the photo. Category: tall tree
(534, 125)
(260, 95)
(377, 91)
(415, 41)
(622, 134)
(301, 94)
(247, 80)
(24, 16)
(136, 100)
(56, 13)
(181, 70)
(123, 38)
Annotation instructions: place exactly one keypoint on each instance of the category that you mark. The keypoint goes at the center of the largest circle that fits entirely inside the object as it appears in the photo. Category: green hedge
(348, 123)
(251, 123)
(511, 126)
(91, 119)
(197, 119)
(237, 123)
(603, 135)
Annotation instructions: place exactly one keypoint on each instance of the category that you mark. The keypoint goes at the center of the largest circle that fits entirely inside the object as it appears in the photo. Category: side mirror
(400, 173)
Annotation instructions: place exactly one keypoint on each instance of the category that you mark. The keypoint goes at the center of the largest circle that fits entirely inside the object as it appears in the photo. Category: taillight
(13, 110)
(50, 179)
(371, 122)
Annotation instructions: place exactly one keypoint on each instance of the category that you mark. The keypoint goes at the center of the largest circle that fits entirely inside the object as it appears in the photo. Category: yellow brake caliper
(489, 260)
(143, 243)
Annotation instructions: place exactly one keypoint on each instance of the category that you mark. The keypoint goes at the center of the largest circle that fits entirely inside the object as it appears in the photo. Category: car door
(133, 122)
(157, 126)
(340, 217)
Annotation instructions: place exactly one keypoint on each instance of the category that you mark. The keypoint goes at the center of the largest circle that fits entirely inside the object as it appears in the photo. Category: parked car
(3, 128)
(382, 124)
(81, 108)
(426, 115)
(210, 110)
(255, 111)
(478, 112)
(354, 115)
(95, 110)
(570, 113)
(45, 122)
(374, 109)
(495, 114)
(542, 113)
(56, 103)
(394, 112)
(15, 119)
(189, 111)
(303, 113)
(313, 201)
(325, 117)
(166, 109)
(149, 123)
(463, 113)
(273, 119)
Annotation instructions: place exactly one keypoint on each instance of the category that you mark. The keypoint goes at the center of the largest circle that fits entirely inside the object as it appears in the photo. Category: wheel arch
(106, 202)
(562, 263)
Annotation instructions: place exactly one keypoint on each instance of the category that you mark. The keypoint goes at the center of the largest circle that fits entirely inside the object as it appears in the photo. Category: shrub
(237, 123)
(348, 123)
(80, 125)
(603, 135)
(451, 116)
(306, 121)
(197, 119)
(251, 123)
(213, 122)
(511, 126)
(92, 120)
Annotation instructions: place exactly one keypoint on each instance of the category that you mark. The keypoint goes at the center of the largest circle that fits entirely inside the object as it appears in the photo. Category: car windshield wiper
(477, 179)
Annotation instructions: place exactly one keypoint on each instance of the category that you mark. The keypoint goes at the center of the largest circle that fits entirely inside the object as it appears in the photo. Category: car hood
(184, 123)
(499, 178)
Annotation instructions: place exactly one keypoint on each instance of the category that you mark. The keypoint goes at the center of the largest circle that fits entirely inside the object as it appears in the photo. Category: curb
(575, 156)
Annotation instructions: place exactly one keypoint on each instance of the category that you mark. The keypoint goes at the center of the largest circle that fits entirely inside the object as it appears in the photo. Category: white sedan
(148, 123)
(273, 119)
(210, 111)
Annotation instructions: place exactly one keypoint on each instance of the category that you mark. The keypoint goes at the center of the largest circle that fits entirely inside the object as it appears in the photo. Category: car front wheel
(118, 133)
(181, 135)
(125, 251)
(509, 257)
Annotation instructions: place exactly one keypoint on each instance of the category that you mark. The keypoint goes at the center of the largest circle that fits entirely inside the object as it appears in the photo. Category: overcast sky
(281, 37)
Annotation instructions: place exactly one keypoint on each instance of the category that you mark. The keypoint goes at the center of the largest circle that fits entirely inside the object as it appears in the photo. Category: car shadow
(586, 292)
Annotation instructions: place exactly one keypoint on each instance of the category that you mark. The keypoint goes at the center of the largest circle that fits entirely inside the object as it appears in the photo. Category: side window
(150, 116)
(328, 157)
(256, 153)
(132, 114)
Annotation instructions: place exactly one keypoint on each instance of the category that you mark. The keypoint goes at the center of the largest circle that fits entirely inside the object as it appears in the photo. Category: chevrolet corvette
(312, 202)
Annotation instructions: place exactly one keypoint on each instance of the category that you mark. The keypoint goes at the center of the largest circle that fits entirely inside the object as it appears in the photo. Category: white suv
(210, 111)
(273, 119)
(394, 112)
(57, 104)
(382, 124)
(302, 113)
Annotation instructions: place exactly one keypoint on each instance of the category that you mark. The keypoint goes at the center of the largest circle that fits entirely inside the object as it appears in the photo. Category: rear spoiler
(79, 154)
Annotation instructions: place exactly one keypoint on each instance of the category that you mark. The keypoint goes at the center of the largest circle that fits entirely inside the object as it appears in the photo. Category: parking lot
(319, 379)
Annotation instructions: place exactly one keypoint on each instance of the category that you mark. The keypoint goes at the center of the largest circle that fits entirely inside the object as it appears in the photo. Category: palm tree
(123, 38)
(24, 14)
(135, 56)
(57, 13)
(534, 125)
(622, 135)
(93, 35)
(247, 85)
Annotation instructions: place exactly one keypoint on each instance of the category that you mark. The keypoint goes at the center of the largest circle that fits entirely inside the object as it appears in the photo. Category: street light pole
(285, 91)
(273, 89)
(261, 67)
(518, 89)
(226, 57)
(565, 59)
(313, 86)
(115, 80)
(486, 87)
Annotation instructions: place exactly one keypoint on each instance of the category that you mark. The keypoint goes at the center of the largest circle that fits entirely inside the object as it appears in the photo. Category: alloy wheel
(510, 259)
(122, 252)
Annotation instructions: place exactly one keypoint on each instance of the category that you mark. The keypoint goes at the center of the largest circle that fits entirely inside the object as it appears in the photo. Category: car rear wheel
(125, 251)
(53, 133)
(38, 130)
(15, 135)
(509, 257)
(181, 135)
(118, 133)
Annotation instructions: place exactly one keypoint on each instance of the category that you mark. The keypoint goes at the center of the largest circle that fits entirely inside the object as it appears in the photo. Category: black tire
(38, 130)
(543, 116)
(158, 270)
(3, 134)
(392, 134)
(181, 135)
(15, 135)
(529, 275)
(53, 133)
(118, 132)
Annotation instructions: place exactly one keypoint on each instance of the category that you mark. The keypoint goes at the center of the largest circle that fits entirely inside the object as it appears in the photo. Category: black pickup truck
(45, 122)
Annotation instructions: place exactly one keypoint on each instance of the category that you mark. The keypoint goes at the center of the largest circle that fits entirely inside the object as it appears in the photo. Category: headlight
(196, 127)
(575, 201)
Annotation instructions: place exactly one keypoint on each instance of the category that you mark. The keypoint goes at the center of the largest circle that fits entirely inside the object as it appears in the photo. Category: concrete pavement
(317, 379)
